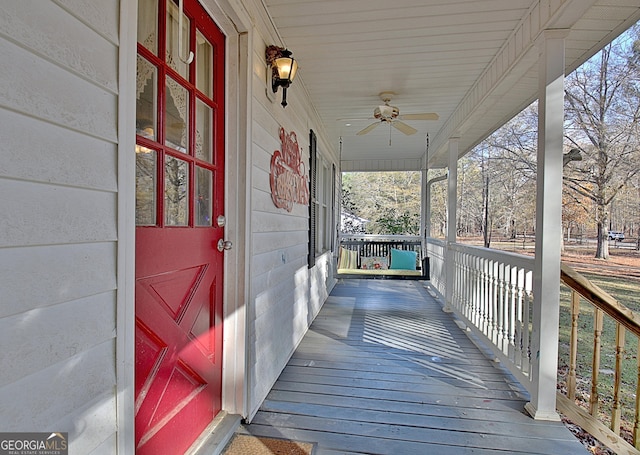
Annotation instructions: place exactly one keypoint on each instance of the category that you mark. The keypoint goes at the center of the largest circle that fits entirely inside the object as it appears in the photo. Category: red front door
(179, 203)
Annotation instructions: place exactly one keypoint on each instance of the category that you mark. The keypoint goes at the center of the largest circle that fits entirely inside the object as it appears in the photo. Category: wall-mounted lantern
(283, 69)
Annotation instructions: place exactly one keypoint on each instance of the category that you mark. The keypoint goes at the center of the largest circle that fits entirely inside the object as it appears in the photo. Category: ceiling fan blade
(367, 129)
(423, 116)
(404, 128)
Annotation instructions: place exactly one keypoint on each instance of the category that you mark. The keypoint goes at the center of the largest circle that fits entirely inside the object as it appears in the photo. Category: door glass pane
(148, 24)
(176, 115)
(146, 76)
(203, 197)
(203, 131)
(176, 189)
(204, 58)
(145, 186)
(173, 55)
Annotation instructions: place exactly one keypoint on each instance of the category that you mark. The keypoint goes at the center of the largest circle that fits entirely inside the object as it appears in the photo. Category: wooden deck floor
(383, 370)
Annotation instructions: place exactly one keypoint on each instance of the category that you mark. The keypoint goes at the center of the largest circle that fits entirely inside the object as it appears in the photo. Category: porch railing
(493, 293)
(436, 251)
(375, 245)
(604, 410)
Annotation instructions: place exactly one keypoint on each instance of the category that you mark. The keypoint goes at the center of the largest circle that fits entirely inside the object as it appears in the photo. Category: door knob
(224, 245)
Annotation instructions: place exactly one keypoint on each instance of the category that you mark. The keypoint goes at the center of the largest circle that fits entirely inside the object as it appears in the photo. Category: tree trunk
(485, 220)
(602, 248)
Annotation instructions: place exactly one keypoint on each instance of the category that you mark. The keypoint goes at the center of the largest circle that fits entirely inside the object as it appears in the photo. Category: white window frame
(323, 202)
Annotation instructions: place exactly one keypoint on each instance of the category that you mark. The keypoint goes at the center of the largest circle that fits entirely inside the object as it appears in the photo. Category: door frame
(236, 26)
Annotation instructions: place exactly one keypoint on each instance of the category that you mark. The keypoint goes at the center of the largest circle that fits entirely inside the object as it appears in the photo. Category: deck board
(383, 370)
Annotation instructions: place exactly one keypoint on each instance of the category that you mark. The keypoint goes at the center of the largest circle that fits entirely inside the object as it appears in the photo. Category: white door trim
(125, 275)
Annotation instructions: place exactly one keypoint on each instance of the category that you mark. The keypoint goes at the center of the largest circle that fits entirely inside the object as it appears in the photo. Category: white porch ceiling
(474, 62)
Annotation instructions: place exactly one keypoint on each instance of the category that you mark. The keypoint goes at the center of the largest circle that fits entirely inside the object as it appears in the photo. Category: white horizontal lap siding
(272, 253)
(45, 157)
(278, 269)
(283, 315)
(270, 241)
(41, 89)
(56, 37)
(45, 275)
(283, 327)
(34, 333)
(89, 374)
(271, 270)
(278, 257)
(50, 214)
(321, 277)
(58, 180)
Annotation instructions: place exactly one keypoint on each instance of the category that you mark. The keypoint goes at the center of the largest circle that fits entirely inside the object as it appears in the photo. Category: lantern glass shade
(287, 68)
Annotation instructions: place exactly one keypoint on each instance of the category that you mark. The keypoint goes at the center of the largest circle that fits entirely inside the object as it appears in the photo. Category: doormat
(246, 444)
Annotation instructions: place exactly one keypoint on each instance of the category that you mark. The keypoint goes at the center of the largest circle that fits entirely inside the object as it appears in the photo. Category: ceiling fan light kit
(391, 115)
(386, 111)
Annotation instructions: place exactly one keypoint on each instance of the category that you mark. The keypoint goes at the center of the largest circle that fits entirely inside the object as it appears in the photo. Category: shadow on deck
(383, 370)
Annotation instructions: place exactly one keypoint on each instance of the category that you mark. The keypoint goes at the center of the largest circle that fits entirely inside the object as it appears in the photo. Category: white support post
(425, 207)
(452, 199)
(546, 272)
(428, 201)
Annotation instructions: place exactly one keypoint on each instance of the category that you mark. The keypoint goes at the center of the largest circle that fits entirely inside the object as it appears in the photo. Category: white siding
(58, 180)
(62, 181)
(285, 294)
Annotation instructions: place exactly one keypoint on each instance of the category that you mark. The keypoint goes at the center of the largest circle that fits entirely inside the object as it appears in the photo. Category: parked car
(616, 235)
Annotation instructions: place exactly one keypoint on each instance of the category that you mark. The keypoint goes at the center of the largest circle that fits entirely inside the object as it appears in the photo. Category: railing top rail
(436, 241)
(506, 257)
(600, 298)
(380, 237)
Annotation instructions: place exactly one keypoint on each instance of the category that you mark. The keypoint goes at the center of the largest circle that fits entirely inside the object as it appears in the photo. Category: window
(324, 209)
(179, 113)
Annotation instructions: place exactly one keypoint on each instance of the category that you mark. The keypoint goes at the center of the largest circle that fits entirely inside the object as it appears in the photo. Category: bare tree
(602, 113)
(509, 185)
(469, 196)
(602, 126)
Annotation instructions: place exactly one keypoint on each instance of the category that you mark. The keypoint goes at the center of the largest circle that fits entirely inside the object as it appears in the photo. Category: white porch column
(430, 183)
(452, 199)
(546, 272)
(425, 206)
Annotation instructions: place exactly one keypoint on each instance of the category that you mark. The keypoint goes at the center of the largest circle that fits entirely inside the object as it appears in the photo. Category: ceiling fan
(391, 114)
